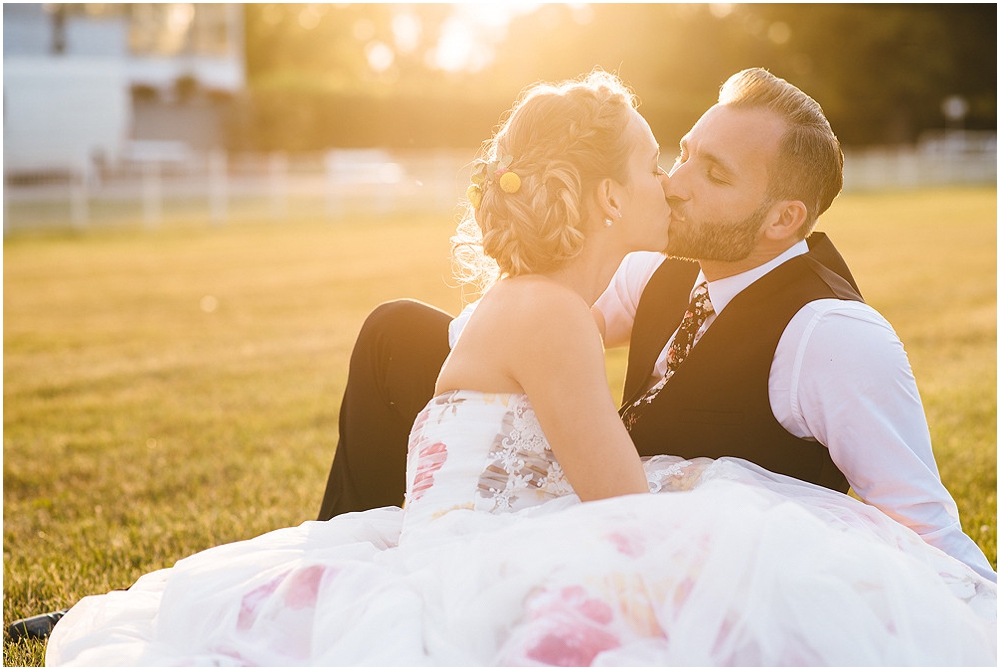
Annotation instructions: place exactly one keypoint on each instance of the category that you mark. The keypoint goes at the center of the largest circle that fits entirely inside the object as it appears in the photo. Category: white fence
(161, 184)
(158, 187)
(939, 159)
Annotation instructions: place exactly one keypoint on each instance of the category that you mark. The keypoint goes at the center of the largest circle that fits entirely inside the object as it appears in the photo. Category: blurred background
(146, 114)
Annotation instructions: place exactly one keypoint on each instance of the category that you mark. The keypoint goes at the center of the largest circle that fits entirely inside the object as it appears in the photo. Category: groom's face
(718, 187)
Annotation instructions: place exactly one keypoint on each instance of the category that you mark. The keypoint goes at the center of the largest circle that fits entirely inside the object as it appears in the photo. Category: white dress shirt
(840, 376)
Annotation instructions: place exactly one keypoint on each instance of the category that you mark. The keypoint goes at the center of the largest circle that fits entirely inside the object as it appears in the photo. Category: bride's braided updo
(562, 139)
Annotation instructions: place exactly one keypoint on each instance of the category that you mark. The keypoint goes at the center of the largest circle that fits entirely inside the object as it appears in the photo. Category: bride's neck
(588, 274)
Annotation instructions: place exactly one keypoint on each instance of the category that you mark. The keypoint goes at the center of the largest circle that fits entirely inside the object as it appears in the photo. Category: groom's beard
(718, 240)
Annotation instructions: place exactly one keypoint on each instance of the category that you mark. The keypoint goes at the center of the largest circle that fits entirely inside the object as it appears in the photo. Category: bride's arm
(558, 359)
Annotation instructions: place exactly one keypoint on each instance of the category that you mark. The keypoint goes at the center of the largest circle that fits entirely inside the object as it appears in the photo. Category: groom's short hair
(810, 163)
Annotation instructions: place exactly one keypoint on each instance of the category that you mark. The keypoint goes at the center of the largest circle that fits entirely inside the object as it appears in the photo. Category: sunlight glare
(454, 49)
(779, 32)
(582, 12)
(720, 10)
(380, 56)
(179, 17)
(407, 30)
(309, 17)
(491, 16)
(469, 35)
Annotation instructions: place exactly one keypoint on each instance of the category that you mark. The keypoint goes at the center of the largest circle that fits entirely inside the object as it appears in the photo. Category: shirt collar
(722, 291)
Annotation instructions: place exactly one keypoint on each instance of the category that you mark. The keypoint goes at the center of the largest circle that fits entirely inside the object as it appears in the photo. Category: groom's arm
(841, 376)
(614, 311)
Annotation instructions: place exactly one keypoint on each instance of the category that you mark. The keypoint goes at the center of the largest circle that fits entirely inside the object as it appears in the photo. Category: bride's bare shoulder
(521, 324)
(532, 314)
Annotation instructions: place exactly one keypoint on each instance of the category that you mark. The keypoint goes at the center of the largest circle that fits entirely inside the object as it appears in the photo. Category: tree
(342, 75)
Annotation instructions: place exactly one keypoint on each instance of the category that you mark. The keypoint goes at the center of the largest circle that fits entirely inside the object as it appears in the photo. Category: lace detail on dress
(672, 473)
(520, 462)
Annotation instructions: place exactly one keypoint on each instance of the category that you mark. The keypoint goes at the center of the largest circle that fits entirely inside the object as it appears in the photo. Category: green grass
(139, 428)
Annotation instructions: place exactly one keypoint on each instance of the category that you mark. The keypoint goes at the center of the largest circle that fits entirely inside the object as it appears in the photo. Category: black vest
(716, 404)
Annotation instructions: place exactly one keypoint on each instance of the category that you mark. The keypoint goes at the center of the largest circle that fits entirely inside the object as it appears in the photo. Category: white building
(87, 87)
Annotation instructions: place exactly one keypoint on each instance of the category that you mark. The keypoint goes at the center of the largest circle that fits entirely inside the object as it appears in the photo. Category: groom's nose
(675, 187)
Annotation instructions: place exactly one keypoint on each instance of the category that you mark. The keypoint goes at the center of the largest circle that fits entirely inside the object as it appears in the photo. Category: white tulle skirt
(727, 564)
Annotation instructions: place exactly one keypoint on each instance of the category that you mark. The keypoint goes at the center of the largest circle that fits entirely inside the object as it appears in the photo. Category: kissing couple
(705, 523)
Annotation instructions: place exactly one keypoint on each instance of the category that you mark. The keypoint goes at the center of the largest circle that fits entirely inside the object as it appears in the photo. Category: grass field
(171, 390)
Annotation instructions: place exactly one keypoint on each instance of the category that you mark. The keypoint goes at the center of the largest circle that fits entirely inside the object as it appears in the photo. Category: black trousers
(394, 366)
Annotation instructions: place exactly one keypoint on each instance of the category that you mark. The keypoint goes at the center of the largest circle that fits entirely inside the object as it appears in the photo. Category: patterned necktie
(699, 309)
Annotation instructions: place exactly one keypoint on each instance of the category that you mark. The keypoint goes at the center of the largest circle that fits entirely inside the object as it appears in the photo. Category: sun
(470, 33)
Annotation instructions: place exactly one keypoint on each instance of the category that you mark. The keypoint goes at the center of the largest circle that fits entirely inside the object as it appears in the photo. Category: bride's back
(513, 324)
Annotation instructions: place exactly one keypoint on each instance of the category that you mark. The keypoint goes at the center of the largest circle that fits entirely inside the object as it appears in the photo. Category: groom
(784, 365)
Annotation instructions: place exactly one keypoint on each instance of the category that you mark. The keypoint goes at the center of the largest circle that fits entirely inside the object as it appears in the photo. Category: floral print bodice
(478, 451)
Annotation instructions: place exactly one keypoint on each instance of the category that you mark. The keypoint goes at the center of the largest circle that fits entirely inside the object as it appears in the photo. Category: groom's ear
(787, 218)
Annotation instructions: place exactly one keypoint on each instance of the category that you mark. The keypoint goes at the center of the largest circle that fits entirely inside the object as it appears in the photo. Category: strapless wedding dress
(494, 561)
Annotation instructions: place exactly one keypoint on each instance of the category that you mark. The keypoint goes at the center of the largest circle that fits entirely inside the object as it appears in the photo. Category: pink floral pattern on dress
(429, 460)
(569, 627)
(628, 542)
(252, 601)
(302, 587)
(426, 459)
(298, 589)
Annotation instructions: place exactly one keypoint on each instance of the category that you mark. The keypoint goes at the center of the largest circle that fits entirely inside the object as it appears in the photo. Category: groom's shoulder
(842, 320)
(835, 342)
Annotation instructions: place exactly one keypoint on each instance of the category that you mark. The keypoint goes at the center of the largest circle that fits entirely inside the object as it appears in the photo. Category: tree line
(352, 76)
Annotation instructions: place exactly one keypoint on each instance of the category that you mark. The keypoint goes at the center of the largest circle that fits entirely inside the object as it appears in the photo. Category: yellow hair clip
(510, 182)
(493, 172)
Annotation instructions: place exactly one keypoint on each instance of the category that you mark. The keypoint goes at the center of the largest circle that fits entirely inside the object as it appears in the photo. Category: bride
(529, 535)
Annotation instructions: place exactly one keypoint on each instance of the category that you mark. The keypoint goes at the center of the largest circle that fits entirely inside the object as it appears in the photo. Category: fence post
(387, 183)
(278, 178)
(445, 178)
(218, 187)
(334, 205)
(151, 194)
(908, 167)
(79, 214)
(6, 214)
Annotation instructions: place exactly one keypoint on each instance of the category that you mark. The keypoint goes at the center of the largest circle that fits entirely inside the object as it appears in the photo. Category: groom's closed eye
(715, 177)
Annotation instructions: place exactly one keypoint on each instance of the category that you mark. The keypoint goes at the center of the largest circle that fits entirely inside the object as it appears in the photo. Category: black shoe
(34, 627)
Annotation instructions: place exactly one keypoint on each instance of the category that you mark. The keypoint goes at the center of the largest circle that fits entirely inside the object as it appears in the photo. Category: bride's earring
(608, 222)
